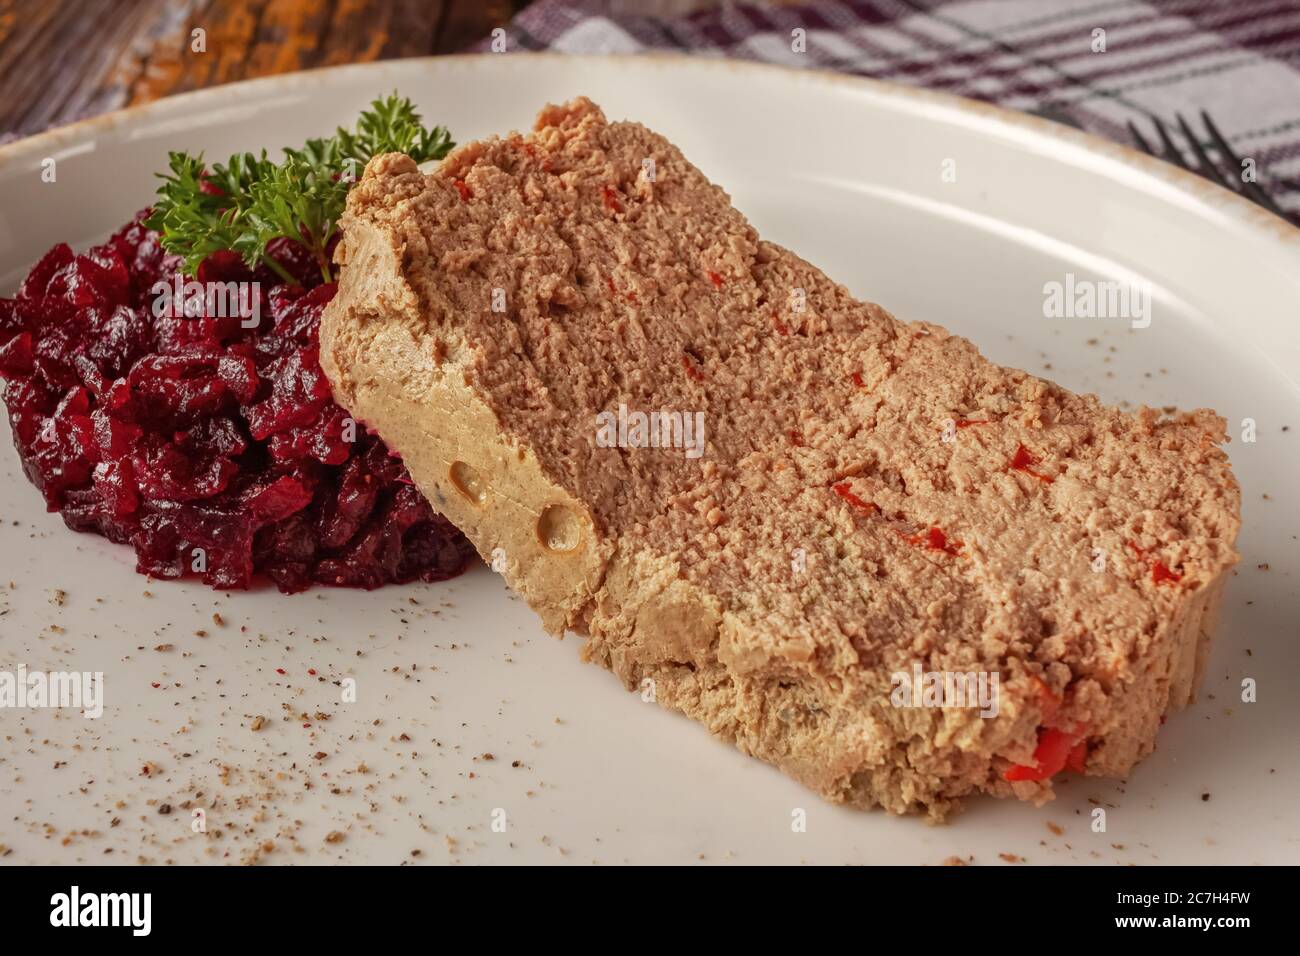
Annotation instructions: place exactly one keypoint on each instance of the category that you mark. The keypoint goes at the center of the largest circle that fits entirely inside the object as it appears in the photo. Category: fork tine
(1171, 151)
(1256, 192)
(1253, 191)
(1207, 167)
(1141, 140)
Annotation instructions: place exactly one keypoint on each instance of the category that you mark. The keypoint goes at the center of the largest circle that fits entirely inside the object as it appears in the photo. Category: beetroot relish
(182, 433)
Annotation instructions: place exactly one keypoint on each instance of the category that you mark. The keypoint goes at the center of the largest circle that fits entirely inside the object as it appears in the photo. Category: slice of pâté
(873, 497)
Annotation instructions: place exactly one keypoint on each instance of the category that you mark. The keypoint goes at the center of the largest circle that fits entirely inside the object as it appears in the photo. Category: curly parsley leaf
(248, 202)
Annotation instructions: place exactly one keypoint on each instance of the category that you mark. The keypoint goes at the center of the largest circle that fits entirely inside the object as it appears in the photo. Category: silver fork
(1204, 165)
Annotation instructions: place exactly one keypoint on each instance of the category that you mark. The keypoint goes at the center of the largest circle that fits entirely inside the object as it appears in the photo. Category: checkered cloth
(1239, 60)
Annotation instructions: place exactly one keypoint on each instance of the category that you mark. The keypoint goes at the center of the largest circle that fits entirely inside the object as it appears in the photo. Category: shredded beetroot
(213, 449)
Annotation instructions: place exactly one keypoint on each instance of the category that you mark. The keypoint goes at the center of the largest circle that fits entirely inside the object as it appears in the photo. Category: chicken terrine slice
(834, 520)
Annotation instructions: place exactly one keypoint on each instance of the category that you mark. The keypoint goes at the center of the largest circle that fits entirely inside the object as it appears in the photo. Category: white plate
(848, 173)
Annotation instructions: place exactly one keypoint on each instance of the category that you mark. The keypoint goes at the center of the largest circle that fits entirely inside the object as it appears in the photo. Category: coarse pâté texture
(873, 493)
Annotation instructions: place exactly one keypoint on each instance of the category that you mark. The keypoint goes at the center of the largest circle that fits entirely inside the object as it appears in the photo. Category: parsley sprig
(246, 203)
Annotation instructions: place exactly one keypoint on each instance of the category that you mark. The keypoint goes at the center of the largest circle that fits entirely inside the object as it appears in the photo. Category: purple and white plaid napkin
(1092, 63)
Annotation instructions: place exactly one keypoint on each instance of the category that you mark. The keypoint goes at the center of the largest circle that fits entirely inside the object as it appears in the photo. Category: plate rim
(1245, 213)
(905, 848)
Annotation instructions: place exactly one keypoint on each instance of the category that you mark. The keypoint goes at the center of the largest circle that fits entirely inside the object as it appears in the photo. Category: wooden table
(61, 60)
